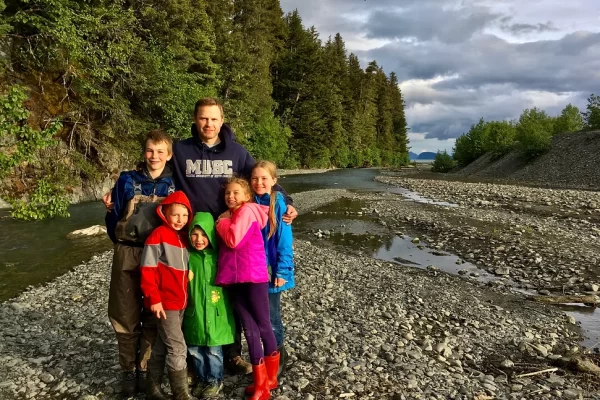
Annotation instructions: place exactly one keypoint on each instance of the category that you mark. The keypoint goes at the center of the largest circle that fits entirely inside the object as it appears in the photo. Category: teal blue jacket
(279, 247)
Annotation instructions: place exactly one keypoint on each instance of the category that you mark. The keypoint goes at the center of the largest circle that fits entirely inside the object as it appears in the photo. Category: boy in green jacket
(208, 322)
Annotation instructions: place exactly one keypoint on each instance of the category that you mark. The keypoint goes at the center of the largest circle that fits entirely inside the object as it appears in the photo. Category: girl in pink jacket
(243, 267)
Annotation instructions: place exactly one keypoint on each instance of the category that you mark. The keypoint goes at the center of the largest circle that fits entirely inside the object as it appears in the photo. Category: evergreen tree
(300, 90)
(399, 123)
(385, 123)
(337, 99)
(355, 111)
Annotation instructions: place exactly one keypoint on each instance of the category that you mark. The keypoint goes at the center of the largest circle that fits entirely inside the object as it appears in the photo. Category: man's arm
(246, 172)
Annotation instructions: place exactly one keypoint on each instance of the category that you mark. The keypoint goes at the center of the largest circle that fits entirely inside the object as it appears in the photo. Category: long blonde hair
(272, 170)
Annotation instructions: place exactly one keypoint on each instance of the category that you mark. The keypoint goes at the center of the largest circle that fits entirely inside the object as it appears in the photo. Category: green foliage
(20, 142)
(569, 120)
(269, 140)
(534, 132)
(111, 70)
(500, 138)
(46, 201)
(443, 162)
(592, 115)
(471, 146)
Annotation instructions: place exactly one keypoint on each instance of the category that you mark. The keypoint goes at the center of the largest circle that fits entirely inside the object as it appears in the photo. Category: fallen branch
(591, 300)
(537, 372)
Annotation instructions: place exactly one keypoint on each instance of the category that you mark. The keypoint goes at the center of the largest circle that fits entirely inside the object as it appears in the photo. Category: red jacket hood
(176, 197)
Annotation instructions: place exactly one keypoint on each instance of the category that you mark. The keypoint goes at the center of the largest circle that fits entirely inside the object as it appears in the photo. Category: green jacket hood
(206, 222)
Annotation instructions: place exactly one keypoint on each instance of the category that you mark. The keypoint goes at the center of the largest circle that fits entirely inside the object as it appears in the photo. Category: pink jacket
(242, 258)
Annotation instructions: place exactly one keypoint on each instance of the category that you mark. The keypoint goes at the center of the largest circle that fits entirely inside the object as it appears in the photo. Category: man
(201, 165)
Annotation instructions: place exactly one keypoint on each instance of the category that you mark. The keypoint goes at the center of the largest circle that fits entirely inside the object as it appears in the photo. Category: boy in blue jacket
(135, 195)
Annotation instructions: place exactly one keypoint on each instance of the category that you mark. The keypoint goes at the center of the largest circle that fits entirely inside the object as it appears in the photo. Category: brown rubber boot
(154, 378)
(179, 385)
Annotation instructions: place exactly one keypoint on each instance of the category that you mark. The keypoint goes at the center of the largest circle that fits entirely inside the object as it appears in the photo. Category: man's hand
(107, 200)
(157, 309)
(290, 214)
(226, 214)
(279, 282)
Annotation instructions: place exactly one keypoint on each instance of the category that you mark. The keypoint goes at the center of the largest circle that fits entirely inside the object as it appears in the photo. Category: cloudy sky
(459, 61)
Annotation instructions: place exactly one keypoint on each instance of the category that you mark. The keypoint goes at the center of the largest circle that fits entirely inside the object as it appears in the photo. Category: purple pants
(251, 302)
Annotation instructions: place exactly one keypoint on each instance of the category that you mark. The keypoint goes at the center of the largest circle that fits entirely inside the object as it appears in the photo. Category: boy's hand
(157, 309)
(279, 282)
(290, 214)
(107, 200)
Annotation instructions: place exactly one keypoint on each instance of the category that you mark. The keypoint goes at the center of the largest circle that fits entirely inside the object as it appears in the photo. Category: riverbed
(398, 297)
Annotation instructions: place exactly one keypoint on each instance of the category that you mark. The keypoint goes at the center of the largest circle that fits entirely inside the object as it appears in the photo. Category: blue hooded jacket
(201, 171)
(279, 247)
(125, 188)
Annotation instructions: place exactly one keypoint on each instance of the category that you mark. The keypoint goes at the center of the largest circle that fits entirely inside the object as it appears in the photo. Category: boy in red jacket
(164, 281)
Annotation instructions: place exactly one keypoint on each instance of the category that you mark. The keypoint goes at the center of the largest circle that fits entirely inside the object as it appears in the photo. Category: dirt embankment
(572, 163)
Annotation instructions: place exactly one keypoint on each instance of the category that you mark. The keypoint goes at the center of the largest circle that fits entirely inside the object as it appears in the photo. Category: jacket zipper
(185, 270)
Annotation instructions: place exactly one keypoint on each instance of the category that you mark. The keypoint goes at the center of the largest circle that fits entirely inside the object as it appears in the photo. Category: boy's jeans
(275, 314)
(208, 362)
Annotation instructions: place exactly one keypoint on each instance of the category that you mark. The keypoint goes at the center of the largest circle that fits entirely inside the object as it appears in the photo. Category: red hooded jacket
(164, 264)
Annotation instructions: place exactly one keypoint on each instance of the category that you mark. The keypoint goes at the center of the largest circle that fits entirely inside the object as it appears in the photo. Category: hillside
(573, 162)
(427, 155)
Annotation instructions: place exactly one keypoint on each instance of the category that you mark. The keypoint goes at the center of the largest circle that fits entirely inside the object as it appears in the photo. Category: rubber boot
(283, 357)
(261, 382)
(179, 385)
(154, 377)
(272, 366)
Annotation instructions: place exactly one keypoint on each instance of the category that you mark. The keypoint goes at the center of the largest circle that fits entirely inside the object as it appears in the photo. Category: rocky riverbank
(357, 328)
(543, 239)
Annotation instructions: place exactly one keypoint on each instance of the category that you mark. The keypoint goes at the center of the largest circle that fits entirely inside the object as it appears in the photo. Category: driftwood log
(588, 300)
(578, 364)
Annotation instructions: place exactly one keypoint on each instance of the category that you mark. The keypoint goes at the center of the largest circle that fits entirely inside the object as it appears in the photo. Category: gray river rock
(357, 327)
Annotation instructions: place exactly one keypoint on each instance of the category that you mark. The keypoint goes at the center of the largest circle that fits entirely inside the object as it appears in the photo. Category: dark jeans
(207, 362)
(275, 314)
(251, 301)
(234, 349)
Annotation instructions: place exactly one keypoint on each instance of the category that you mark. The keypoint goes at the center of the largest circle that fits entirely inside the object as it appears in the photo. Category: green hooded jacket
(208, 318)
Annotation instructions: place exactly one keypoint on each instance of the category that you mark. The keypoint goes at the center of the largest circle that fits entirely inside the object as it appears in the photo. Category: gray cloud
(474, 52)
(565, 65)
(520, 29)
(429, 23)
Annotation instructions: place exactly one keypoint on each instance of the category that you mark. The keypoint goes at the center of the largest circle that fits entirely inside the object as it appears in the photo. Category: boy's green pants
(135, 327)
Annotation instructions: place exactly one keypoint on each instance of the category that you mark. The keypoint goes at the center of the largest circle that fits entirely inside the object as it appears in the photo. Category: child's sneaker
(237, 366)
(212, 390)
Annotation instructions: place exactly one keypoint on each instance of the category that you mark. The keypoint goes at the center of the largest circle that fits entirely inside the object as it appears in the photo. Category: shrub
(443, 162)
(500, 138)
(534, 132)
(470, 146)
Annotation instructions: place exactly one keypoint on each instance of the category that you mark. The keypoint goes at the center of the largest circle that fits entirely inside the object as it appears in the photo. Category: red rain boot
(272, 363)
(261, 382)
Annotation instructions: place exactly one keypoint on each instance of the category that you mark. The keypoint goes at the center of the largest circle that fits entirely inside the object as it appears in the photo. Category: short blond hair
(208, 102)
(159, 136)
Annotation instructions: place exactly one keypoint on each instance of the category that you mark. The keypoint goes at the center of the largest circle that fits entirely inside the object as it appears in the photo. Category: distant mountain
(412, 156)
(426, 155)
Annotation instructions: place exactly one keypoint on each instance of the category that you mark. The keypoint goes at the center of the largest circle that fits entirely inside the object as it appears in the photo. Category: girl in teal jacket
(278, 239)
(208, 321)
